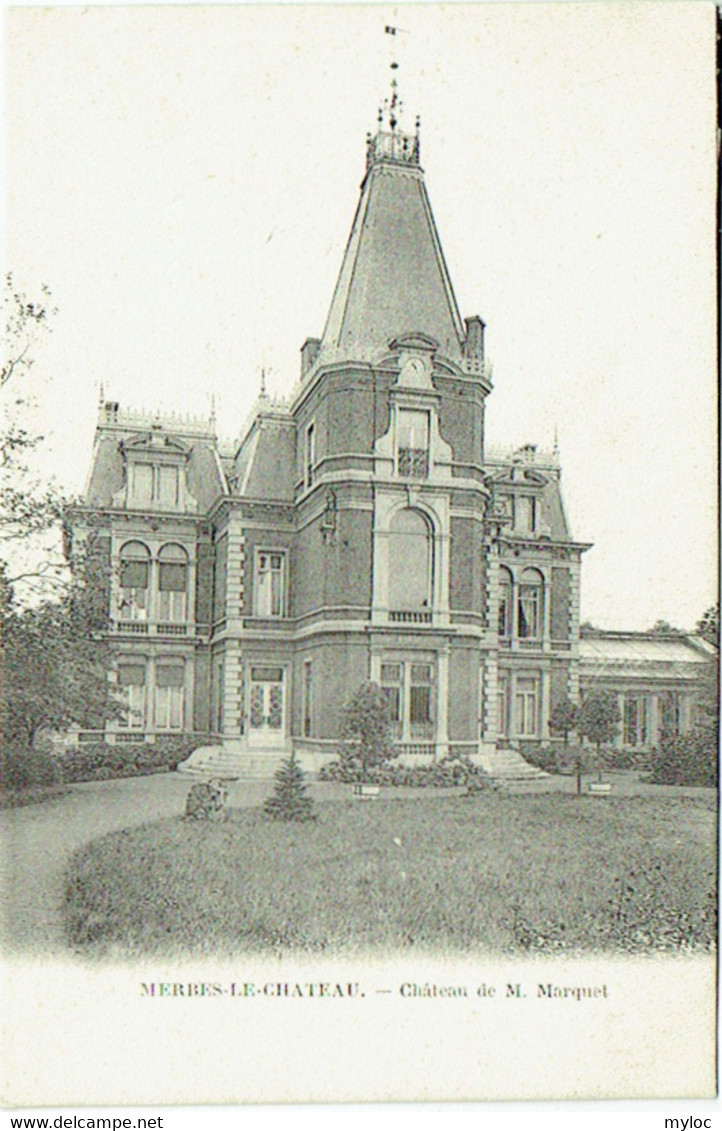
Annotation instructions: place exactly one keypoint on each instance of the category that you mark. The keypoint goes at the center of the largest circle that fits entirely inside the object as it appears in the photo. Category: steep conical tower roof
(393, 278)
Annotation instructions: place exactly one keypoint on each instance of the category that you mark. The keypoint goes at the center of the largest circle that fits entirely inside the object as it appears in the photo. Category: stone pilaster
(575, 569)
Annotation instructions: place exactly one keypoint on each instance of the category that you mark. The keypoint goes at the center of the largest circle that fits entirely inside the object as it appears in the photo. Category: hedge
(445, 774)
(100, 761)
(689, 759)
(21, 768)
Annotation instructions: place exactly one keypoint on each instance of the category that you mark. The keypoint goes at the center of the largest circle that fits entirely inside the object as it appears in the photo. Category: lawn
(492, 873)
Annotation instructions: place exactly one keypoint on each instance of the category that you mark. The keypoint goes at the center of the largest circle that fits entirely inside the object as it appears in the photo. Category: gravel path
(37, 841)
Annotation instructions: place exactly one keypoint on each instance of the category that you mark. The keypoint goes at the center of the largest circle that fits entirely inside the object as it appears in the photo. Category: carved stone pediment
(517, 478)
(154, 443)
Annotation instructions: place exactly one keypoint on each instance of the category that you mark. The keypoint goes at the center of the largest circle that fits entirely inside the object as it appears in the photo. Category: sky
(184, 180)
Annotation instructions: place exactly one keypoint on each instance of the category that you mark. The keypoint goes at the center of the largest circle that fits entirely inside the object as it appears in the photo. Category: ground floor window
(307, 698)
(131, 683)
(635, 720)
(153, 694)
(169, 697)
(408, 687)
(502, 690)
(671, 714)
(519, 704)
(527, 706)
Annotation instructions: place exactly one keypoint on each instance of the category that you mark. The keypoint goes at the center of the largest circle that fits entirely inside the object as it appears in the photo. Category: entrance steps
(505, 764)
(231, 765)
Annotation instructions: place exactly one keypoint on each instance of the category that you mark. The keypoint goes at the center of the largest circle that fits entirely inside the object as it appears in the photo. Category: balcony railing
(410, 616)
(413, 463)
(144, 628)
(415, 748)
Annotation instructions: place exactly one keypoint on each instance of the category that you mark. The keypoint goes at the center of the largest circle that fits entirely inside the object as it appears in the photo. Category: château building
(357, 530)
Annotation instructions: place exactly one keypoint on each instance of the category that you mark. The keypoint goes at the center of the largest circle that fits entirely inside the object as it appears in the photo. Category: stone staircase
(507, 765)
(231, 765)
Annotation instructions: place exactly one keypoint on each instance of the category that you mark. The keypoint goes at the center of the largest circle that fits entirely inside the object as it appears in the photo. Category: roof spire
(263, 393)
(390, 143)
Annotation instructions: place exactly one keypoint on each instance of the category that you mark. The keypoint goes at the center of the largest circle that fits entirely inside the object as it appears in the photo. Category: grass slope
(494, 873)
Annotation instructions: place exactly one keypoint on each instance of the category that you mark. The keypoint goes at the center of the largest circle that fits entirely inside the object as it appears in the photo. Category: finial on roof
(212, 420)
(101, 394)
(395, 103)
(390, 143)
(263, 393)
(556, 440)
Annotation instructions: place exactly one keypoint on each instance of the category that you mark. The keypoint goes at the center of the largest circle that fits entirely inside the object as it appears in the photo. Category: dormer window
(154, 484)
(525, 514)
(412, 443)
(155, 473)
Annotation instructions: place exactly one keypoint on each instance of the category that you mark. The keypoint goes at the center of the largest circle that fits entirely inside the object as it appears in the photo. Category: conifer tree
(289, 800)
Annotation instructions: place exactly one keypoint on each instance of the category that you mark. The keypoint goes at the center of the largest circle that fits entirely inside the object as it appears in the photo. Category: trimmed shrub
(100, 761)
(366, 732)
(445, 774)
(22, 768)
(689, 759)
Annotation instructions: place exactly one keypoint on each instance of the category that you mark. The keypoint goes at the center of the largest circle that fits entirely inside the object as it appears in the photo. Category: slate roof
(265, 463)
(393, 278)
(205, 478)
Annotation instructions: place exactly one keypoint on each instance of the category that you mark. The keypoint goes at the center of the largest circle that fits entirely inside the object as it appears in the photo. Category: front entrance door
(266, 714)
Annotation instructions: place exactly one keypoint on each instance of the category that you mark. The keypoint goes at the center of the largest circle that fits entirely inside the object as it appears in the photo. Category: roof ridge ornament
(390, 142)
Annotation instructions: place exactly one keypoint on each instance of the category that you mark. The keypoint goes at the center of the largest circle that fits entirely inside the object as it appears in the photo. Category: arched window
(505, 617)
(410, 561)
(172, 584)
(134, 582)
(531, 605)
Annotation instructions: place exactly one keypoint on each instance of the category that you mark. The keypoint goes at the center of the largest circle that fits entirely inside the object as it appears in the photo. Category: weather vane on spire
(390, 143)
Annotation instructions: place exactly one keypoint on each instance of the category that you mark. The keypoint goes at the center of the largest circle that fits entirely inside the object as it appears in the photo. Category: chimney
(474, 344)
(309, 353)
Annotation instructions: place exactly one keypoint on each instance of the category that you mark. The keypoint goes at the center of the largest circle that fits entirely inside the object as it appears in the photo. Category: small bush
(289, 800)
(689, 759)
(22, 768)
(101, 761)
(560, 759)
(620, 758)
(546, 758)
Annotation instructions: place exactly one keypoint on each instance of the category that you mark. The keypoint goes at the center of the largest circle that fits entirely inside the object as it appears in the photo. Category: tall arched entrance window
(411, 546)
